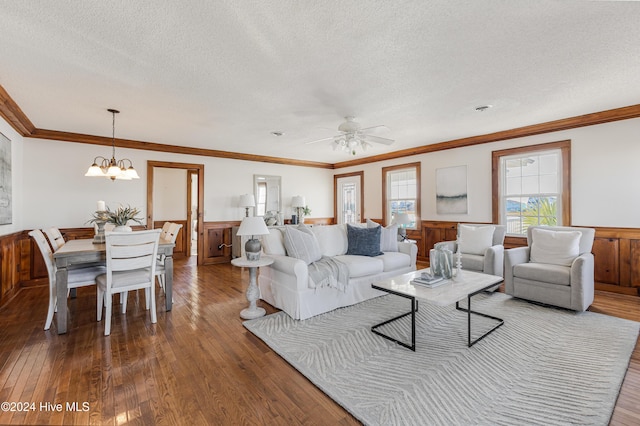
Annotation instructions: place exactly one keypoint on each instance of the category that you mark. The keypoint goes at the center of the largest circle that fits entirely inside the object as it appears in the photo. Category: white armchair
(482, 247)
(556, 267)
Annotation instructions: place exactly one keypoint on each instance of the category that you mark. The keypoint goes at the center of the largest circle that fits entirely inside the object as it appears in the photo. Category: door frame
(189, 167)
(335, 193)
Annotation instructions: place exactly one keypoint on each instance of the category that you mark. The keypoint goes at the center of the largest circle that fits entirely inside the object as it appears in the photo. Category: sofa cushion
(554, 247)
(332, 239)
(475, 239)
(472, 262)
(363, 241)
(394, 260)
(360, 266)
(273, 242)
(554, 274)
(302, 244)
(388, 236)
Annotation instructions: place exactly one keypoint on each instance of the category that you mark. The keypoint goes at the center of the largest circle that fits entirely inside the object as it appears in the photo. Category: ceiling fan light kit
(352, 136)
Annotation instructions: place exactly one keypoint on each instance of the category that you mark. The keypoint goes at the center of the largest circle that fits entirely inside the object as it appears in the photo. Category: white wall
(58, 194)
(605, 175)
(16, 178)
(49, 187)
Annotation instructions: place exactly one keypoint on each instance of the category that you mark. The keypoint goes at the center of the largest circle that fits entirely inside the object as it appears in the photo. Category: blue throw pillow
(363, 241)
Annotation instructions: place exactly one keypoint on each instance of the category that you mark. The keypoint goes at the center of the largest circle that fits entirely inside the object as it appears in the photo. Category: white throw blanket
(328, 272)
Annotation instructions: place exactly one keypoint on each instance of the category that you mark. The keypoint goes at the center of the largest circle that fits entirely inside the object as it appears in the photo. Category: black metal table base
(414, 309)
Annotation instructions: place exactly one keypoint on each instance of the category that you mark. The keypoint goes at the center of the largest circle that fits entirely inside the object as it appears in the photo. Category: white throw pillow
(475, 239)
(302, 244)
(554, 247)
(273, 243)
(388, 236)
(332, 239)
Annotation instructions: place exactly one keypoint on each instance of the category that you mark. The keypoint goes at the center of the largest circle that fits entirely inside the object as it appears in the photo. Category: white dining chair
(131, 265)
(55, 238)
(76, 277)
(172, 236)
(165, 230)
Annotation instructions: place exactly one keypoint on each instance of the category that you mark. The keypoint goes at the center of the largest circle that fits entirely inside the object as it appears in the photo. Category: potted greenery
(305, 211)
(120, 217)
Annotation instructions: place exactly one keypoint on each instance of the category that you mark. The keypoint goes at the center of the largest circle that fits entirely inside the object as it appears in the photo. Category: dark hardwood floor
(197, 365)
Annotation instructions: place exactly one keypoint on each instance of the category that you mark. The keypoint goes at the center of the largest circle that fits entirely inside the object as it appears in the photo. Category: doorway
(191, 194)
(192, 212)
(348, 197)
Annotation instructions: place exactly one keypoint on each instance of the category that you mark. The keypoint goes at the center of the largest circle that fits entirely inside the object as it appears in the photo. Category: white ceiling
(224, 74)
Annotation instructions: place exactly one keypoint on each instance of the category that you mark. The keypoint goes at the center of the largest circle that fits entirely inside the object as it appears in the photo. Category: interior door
(349, 200)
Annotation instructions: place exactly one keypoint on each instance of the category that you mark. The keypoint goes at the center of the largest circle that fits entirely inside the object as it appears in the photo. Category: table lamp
(401, 219)
(252, 226)
(247, 201)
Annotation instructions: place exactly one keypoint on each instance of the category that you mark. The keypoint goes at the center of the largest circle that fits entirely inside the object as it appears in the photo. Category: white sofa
(286, 285)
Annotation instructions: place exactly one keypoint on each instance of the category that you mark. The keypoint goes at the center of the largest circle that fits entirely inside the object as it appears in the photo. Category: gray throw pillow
(302, 244)
(388, 236)
(363, 241)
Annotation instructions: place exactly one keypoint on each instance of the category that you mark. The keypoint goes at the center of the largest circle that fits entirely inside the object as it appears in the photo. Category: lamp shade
(298, 201)
(247, 200)
(401, 219)
(94, 170)
(253, 225)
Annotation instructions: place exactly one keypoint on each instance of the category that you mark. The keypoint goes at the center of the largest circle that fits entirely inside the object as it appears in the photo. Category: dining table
(84, 251)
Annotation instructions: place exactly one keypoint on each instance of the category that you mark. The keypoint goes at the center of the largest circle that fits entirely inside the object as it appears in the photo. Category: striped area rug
(544, 366)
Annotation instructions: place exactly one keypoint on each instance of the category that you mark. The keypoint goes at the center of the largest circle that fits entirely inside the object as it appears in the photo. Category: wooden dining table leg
(168, 284)
(61, 290)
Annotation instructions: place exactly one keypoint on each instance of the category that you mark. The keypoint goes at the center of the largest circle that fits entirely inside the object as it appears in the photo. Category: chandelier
(113, 169)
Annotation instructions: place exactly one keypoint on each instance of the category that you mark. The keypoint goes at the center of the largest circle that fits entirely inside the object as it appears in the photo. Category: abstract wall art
(451, 190)
(5, 180)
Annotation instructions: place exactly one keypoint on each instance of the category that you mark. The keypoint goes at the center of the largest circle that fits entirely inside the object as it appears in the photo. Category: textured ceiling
(224, 74)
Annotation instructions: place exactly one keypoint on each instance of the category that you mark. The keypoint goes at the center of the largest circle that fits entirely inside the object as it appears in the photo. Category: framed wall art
(451, 190)
(5, 180)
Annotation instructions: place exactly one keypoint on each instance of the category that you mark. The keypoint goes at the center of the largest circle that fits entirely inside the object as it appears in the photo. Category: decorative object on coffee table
(458, 258)
(253, 226)
(253, 293)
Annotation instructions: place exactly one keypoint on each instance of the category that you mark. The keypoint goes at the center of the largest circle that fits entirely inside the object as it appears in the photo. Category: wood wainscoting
(616, 253)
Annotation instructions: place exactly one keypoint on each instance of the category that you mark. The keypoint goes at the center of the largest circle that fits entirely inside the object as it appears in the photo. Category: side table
(253, 293)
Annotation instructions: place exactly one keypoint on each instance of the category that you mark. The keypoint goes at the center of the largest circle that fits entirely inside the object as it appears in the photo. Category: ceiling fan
(352, 136)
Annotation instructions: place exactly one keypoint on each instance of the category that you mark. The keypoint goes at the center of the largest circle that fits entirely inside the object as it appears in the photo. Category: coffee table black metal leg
(414, 309)
(469, 312)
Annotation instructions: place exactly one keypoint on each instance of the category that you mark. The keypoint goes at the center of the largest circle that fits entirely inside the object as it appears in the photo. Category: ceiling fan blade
(320, 140)
(374, 127)
(378, 139)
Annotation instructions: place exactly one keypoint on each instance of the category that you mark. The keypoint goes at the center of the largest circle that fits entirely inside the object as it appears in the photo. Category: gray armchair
(569, 286)
(489, 262)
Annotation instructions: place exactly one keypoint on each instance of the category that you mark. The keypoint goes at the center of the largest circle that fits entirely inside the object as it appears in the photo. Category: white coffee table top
(454, 290)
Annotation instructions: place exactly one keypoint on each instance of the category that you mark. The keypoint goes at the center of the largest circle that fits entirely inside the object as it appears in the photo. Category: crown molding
(616, 114)
(174, 149)
(12, 113)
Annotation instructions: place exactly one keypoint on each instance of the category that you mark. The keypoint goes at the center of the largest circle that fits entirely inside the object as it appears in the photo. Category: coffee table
(453, 291)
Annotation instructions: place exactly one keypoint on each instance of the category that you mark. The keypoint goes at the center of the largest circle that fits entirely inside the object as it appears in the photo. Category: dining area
(115, 261)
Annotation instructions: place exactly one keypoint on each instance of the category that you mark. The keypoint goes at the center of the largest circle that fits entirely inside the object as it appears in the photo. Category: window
(531, 186)
(261, 202)
(401, 193)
